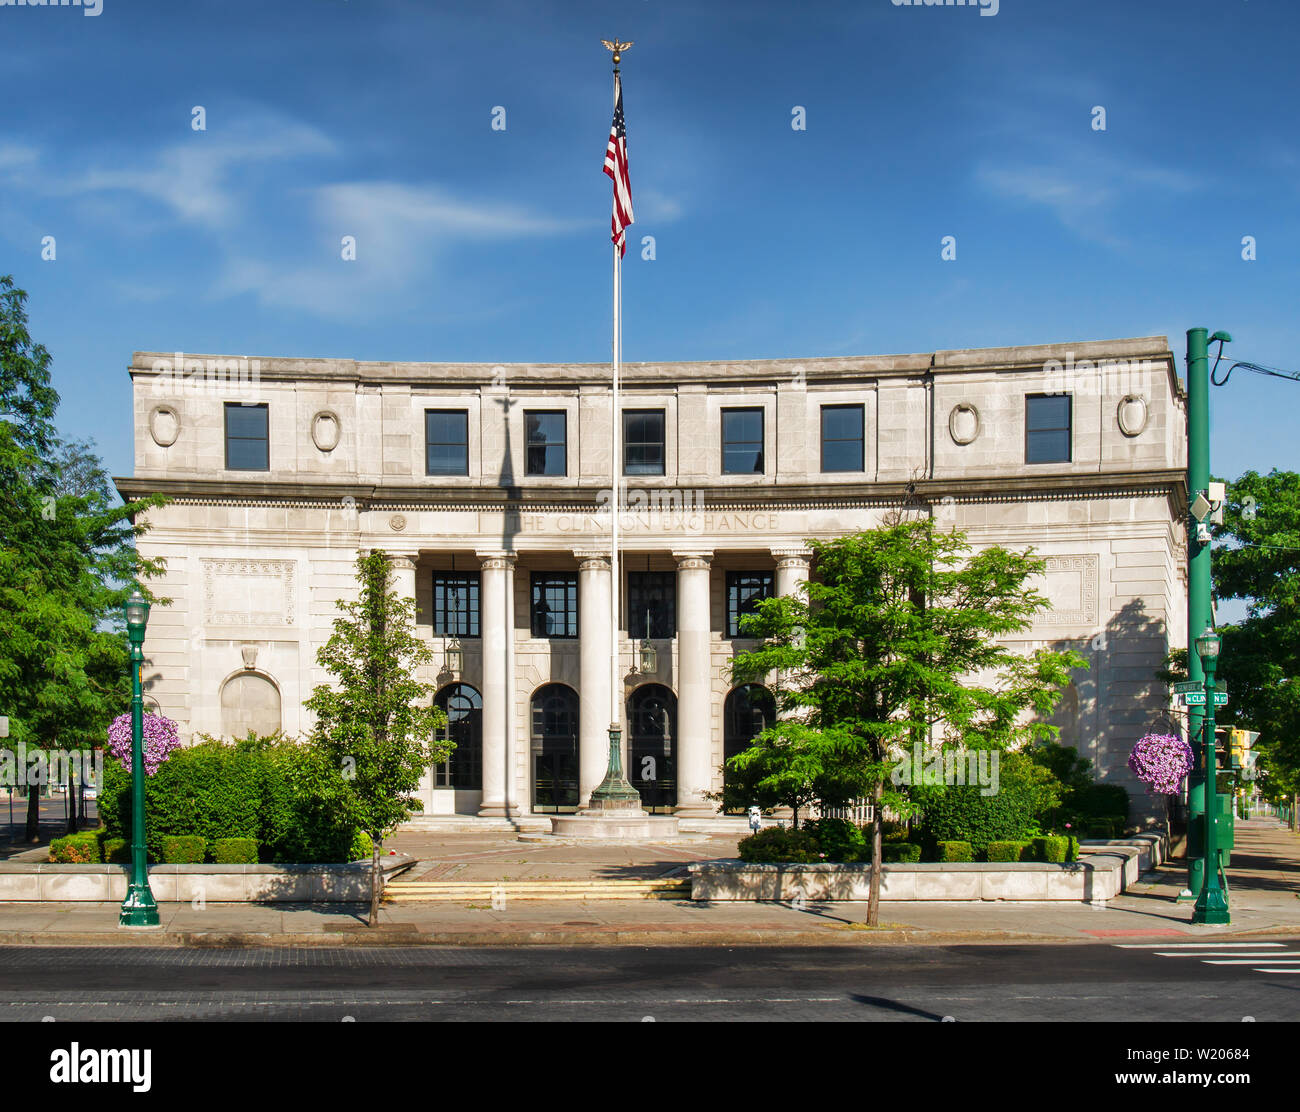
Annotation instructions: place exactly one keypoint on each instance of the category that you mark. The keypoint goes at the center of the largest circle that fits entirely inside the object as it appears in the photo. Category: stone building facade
(488, 488)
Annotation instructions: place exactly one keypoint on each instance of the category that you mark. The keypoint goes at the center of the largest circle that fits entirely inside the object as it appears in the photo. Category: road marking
(1253, 960)
(1196, 945)
(1264, 969)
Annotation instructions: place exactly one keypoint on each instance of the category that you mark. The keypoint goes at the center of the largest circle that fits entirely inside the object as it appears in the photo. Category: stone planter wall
(1105, 870)
(42, 882)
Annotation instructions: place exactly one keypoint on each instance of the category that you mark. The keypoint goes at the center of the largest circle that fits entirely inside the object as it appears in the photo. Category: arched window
(249, 701)
(748, 711)
(463, 707)
(652, 745)
(555, 748)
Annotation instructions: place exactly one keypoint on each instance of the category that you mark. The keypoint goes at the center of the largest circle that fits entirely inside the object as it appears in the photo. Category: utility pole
(1198, 590)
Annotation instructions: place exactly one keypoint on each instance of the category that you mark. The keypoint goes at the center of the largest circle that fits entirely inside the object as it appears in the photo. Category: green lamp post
(1212, 903)
(139, 909)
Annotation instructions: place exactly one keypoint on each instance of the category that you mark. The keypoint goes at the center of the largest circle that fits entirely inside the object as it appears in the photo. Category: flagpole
(615, 794)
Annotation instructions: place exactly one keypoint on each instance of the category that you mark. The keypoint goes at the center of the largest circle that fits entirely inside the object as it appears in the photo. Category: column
(401, 573)
(494, 611)
(594, 585)
(694, 686)
(791, 569)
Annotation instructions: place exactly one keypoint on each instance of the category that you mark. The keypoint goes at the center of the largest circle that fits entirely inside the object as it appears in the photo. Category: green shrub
(76, 849)
(1102, 801)
(1052, 848)
(1100, 828)
(1008, 851)
(268, 790)
(183, 849)
(955, 851)
(234, 851)
(362, 848)
(840, 840)
(115, 851)
(1072, 850)
(897, 853)
(1117, 825)
(773, 844)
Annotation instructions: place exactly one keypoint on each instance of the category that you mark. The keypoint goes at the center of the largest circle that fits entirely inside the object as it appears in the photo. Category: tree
(1257, 559)
(377, 731)
(894, 640)
(67, 563)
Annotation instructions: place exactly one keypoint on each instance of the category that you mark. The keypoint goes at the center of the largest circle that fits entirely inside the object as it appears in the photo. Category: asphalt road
(1101, 981)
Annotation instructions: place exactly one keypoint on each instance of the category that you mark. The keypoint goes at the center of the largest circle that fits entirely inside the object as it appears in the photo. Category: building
(488, 486)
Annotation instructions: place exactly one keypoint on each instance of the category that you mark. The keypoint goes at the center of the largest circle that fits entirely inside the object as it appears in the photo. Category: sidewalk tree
(67, 562)
(377, 729)
(1257, 561)
(894, 640)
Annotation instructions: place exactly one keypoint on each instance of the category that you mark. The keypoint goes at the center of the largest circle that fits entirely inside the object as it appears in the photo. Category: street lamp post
(1212, 903)
(139, 909)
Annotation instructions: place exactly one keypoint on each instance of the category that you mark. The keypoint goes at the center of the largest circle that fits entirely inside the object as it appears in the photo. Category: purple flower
(1162, 762)
(160, 738)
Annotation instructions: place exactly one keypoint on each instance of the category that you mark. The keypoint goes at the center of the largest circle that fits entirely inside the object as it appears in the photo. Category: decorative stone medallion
(1132, 414)
(964, 423)
(241, 592)
(397, 523)
(325, 429)
(164, 425)
(1071, 587)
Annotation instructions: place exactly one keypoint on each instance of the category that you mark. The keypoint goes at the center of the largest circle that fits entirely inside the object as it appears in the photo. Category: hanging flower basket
(1161, 762)
(160, 738)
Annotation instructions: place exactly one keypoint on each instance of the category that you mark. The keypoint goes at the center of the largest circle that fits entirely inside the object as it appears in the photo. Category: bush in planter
(955, 851)
(1072, 852)
(840, 840)
(75, 849)
(1100, 828)
(363, 847)
(183, 849)
(1053, 848)
(1117, 825)
(900, 853)
(1008, 851)
(775, 844)
(234, 851)
(116, 851)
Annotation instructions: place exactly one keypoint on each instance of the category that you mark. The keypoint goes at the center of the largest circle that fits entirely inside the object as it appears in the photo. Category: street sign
(1197, 698)
(1188, 685)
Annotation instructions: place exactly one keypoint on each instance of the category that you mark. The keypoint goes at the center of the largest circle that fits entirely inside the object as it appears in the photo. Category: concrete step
(450, 890)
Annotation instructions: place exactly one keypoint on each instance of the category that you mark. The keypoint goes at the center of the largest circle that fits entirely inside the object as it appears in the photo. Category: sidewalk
(1264, 881)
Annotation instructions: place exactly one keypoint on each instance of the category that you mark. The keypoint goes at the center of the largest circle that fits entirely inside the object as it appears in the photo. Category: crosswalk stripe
(1265, 969)
(1254, 959)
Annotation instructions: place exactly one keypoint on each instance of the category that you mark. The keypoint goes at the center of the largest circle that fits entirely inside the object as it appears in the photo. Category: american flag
(616, 168)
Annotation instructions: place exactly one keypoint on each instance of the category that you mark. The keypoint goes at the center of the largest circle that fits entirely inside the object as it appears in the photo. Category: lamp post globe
(139, 909)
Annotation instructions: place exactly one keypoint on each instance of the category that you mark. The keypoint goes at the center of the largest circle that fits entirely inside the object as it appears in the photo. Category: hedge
(1052, 848)
(1009, 851)
(775, 844)
(75, 849)
(234, 851)
(955, 851)
(839, 839)
(962, 813)
(183, 849)
(900, 853)
(276, 794)
(114, 851)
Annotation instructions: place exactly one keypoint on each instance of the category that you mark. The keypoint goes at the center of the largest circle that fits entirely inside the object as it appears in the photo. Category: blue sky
(373, 118)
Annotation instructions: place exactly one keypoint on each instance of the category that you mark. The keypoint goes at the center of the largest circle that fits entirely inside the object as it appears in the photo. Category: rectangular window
(246, 437)
(742, 441)
(446, 442)
(652, 595)
(643, 442)
(545, 442)
(744, 590)
(1047, 428)
(841, 438)
(555, 604)
(455, 604)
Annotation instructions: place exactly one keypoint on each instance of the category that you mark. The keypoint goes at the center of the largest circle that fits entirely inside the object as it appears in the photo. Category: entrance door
(652, 746)
(555, 748)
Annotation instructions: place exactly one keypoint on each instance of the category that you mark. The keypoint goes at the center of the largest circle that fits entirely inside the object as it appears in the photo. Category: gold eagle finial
(617, 47)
